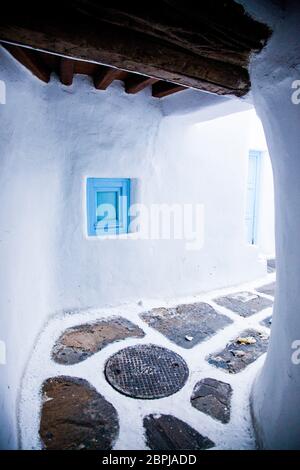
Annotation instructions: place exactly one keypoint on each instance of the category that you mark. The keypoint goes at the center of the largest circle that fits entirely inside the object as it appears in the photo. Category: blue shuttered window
(108, 201)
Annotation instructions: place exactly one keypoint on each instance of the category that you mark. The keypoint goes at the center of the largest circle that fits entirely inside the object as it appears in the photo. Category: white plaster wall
(212, 168)
(162, 162)
(276, 393)
(266, 216)
(199, 106)
(51, 138)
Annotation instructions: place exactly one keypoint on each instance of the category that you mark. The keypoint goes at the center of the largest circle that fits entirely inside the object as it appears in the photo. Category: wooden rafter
(162, 89)
(42, 64)
(66, 71)
(136, 83)
(30, 60)
(105, 76)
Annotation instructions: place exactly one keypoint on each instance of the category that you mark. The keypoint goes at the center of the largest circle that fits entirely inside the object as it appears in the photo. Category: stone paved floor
(66, 401)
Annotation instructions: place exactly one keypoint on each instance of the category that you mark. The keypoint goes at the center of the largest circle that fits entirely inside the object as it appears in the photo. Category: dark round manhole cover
(146, 371)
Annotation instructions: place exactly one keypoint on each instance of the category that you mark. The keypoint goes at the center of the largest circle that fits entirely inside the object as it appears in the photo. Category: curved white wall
(276, 393)
(51, 138)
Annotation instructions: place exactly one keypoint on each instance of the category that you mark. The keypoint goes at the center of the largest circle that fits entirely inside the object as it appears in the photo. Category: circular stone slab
(146, 371)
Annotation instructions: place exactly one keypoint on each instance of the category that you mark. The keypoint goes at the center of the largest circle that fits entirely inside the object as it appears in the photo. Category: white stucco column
(276, 393)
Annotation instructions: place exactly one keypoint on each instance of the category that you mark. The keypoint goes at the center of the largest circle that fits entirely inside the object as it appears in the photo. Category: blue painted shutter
(108, 201)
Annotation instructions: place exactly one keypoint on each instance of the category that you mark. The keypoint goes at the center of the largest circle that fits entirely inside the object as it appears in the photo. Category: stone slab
(75, 416)
(267, 322)
(187, 324)
(268, 289)
(80, 342)
(244, 303)
(236, 356)
(271, 264)
(165, 432)
(213, 397)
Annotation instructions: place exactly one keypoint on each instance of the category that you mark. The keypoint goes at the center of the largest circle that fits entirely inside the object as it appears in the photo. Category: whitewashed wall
(51, 138)
(274, 73)
(266, 222)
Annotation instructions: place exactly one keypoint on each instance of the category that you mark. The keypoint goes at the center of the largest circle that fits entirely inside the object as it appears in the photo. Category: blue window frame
(108, 201)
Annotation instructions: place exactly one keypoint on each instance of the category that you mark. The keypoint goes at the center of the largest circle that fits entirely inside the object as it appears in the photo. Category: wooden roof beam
(105, 76)
(106, 43)
(162, 89)
(217, 29)
(66, 71)
(30, 60)
(136, 83)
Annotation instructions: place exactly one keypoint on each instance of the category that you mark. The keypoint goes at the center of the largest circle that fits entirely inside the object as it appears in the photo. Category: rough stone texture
(80, 342)
(268, 289)
(213, 398)
(244, 303)
(267, 322)
(235, 357)
(146, 371)
(165, 432)
(187, 324)
(271, 264)
(74, 416)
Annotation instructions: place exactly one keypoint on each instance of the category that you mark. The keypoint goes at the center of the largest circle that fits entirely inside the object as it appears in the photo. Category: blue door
(252, 195)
